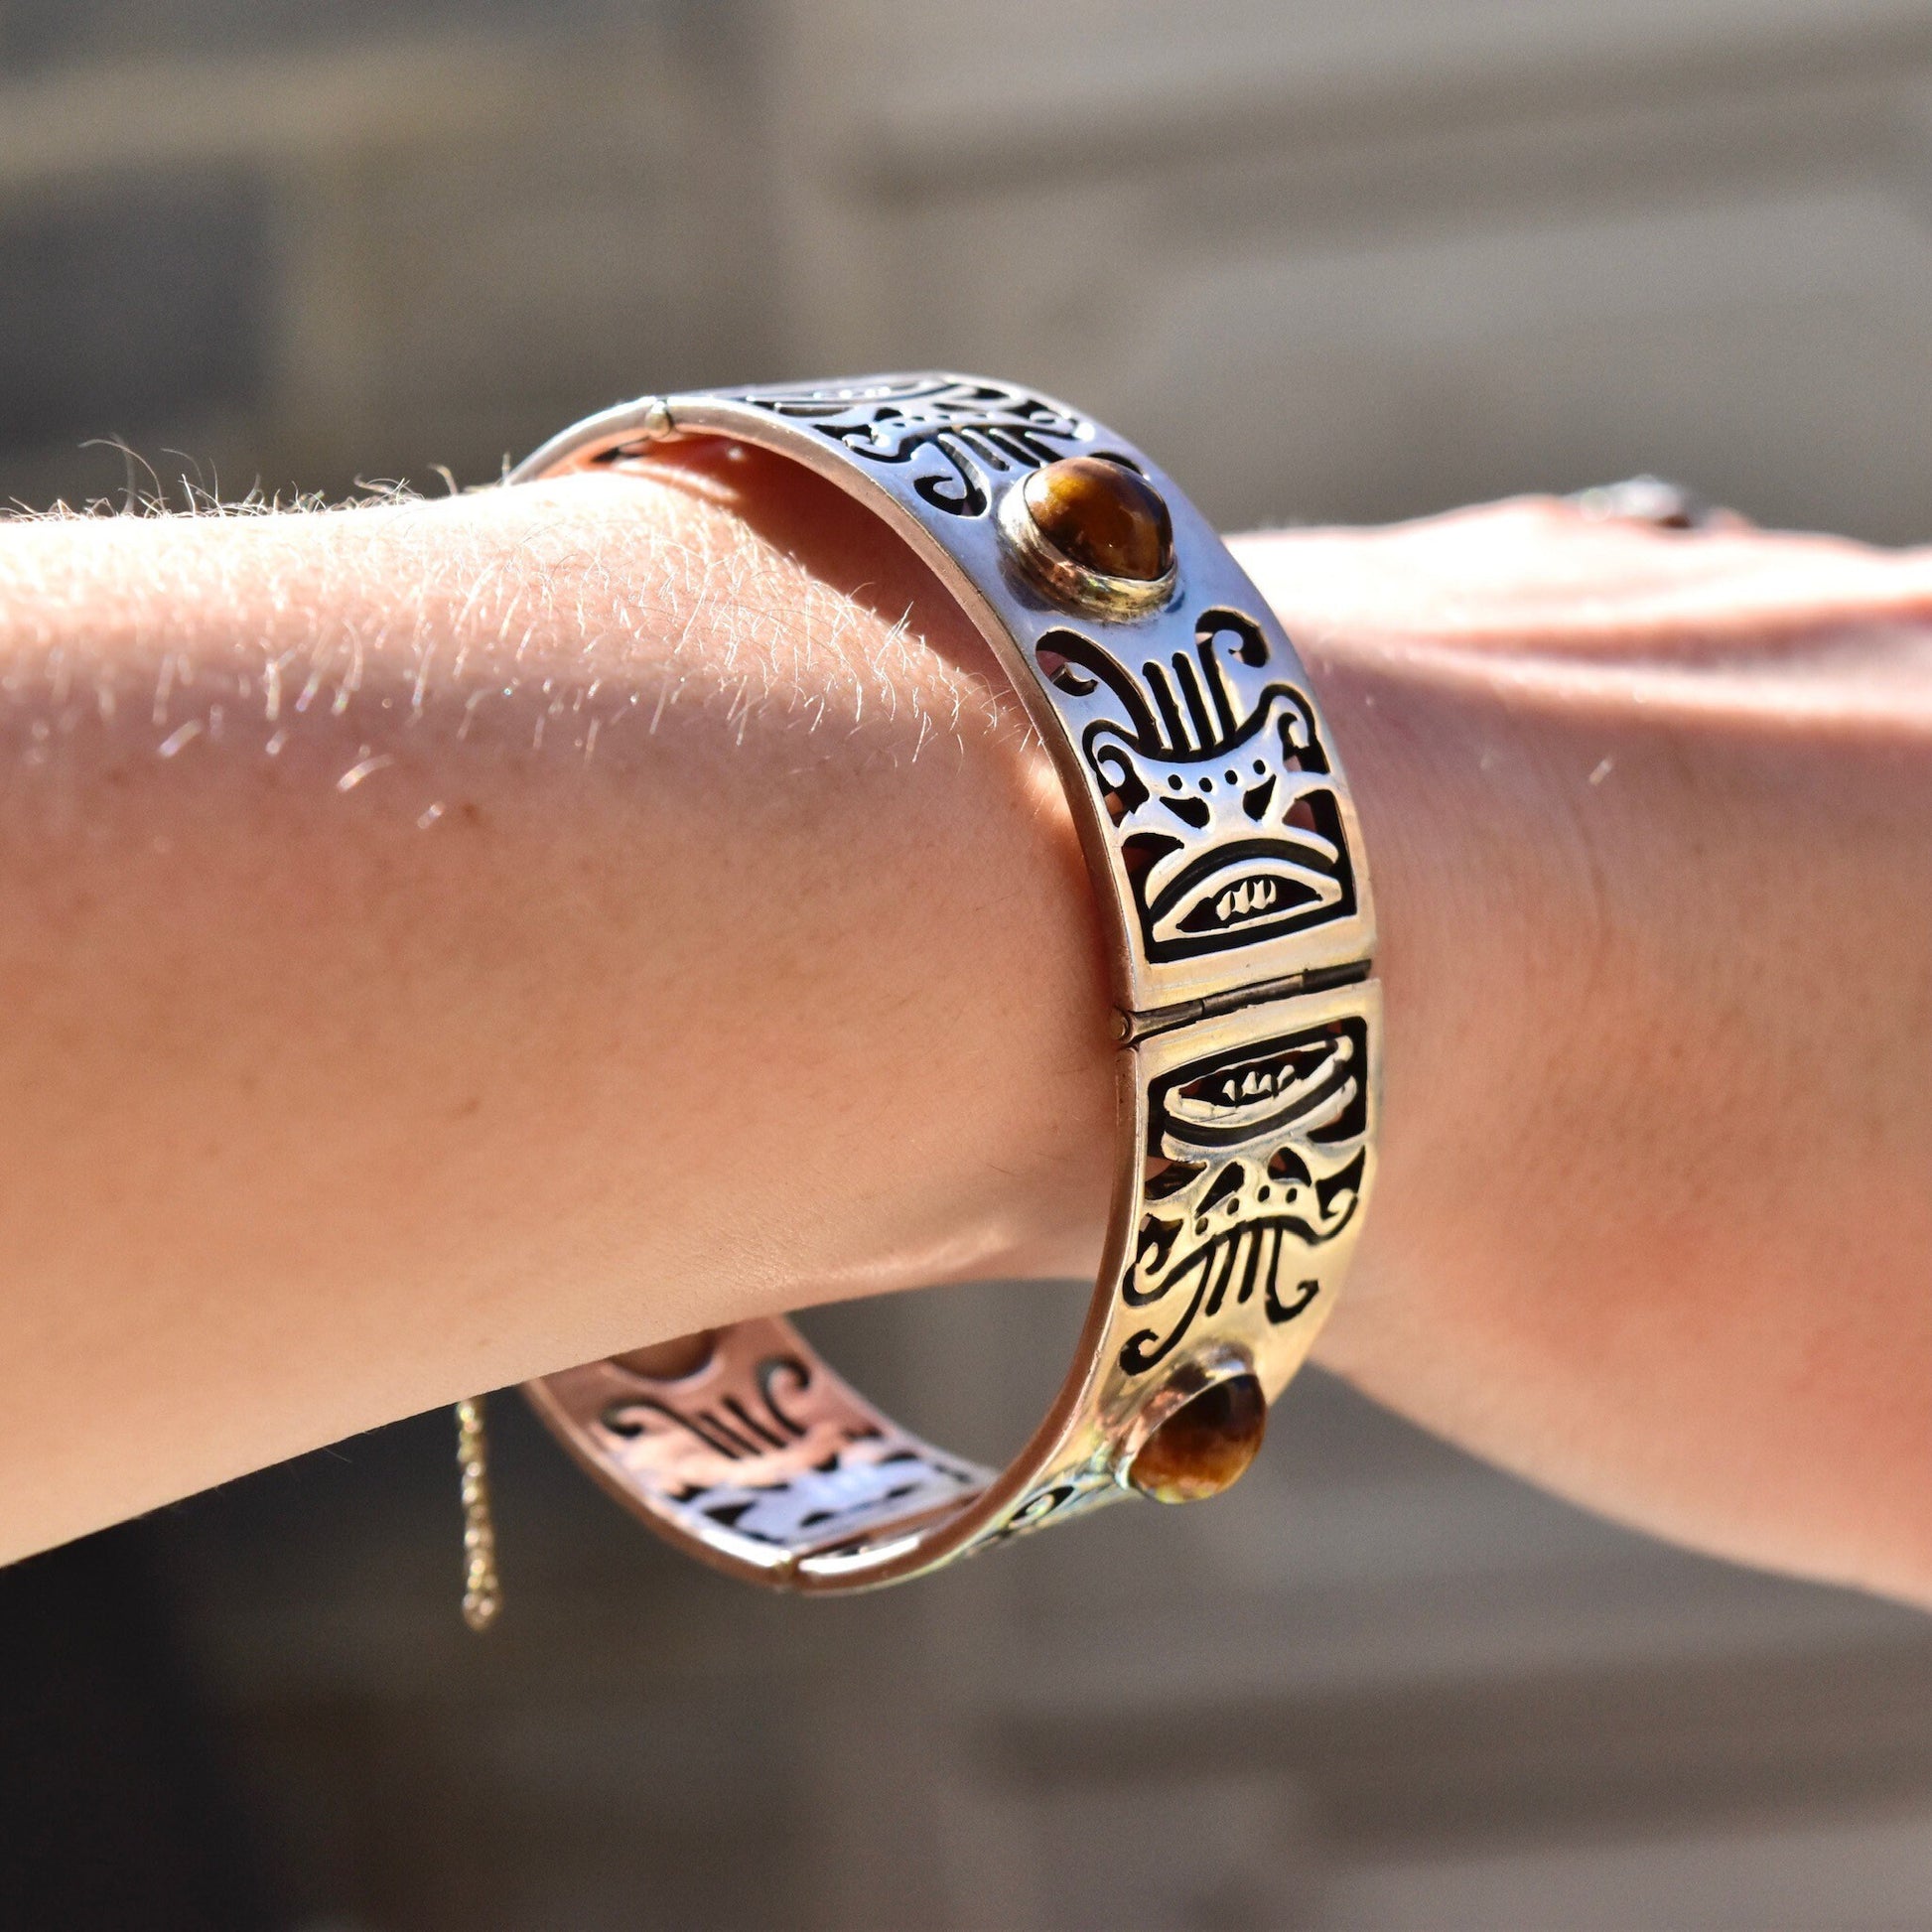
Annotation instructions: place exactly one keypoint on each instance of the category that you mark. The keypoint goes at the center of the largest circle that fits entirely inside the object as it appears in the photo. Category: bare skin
(448, 941)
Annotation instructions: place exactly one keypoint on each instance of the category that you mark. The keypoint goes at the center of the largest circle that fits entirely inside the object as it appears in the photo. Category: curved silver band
(1223, 845)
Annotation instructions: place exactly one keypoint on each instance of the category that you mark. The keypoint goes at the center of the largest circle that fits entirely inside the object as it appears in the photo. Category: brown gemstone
(1102, 517)
(1204, 1445)
(671, 1361)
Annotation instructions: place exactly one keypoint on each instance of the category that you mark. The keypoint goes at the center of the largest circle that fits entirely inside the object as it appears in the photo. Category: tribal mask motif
(1226, 814)
(1256, 1158)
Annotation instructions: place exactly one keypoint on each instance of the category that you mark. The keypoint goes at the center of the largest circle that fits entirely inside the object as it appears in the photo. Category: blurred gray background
(1334, 259)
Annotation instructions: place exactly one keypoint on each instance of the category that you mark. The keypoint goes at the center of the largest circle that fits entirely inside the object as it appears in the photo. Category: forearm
(449, 941)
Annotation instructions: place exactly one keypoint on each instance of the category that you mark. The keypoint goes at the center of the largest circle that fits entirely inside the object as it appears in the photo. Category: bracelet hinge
(1129, 1027)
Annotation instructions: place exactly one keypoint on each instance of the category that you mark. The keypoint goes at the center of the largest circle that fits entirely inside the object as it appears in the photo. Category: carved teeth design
(1258, 890)
(1256, 1080)
(1271, 1093)
(1244, 900)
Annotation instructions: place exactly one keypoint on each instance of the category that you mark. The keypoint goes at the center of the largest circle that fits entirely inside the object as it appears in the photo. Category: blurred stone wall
(1335, 259)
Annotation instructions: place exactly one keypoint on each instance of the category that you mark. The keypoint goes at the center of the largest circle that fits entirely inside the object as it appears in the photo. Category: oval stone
(671, 1361)
(1102, 517)
(1204, 1445)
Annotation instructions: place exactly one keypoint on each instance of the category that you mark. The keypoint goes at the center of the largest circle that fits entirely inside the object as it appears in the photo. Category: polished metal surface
(1223, 846)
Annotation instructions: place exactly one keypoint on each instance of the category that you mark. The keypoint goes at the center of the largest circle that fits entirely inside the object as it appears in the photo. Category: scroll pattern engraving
(1256, 1160)
(1070, 1492)
(757, 1461)
(956, 436)
(1226, 813)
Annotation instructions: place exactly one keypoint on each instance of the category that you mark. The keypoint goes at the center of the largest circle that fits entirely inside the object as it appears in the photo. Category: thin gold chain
(483, 1594)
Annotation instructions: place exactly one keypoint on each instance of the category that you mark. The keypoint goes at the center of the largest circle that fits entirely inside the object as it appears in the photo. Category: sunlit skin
(445, 941)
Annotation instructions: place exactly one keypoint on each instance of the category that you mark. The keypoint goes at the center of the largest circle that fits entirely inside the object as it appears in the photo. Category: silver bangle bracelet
(1223, 847)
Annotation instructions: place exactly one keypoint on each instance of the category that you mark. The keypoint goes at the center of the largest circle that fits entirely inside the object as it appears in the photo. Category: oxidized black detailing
(1226, 813)
(959, 435)
(756, 1490)
(1256, 1158)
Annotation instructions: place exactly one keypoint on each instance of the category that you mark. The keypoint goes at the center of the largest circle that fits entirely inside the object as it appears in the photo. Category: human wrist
(1645, 813)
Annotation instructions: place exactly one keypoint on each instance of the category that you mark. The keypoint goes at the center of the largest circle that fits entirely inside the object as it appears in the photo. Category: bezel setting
(1070, 585)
